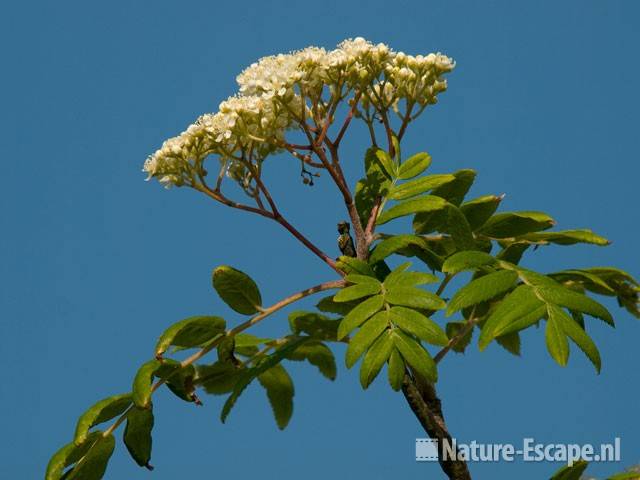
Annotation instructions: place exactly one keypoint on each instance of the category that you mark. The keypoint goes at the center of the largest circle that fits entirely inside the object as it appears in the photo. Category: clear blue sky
(96, 262)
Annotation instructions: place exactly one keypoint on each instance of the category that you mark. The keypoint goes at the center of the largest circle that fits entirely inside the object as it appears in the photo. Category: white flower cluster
(419, 78)
(273, 97)
(276, 75)
(241, 121)
(355, 63)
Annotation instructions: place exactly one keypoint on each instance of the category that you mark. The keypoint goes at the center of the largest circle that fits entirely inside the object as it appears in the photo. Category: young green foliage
(398, 326)
(237, 290)
(250, 374)
(142, 383)
(93, 464)
(190, 332)
(359, 315)
(426, 203)
(100, 412)
(69, 455)
(279, 387)
(137, 435)
(317, 354)
(375, 358)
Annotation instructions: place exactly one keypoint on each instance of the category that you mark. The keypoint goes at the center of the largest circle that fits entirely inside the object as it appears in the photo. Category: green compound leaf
(426, 255)
(611, 274)
(396, 147)
(357, 291)
(190, 332)
(577, 334)
(532, 278)
(68, 455)
(237, 290)
(480, 209)
(219, 378)
(556, 340)
(357, 279)
(137, 435)
(514, 224)
(523, 322)
(627, 289)
(351, 265)
(318, 355)
(409, 279)
(456, 190)
(417, 324)
(375, 358)
(391, 245)
(512, 252)
(419, 186)
(468, 260)
(365, 337)
(449, 220)
(453, 329)
(400, 277)
(426, 203)
(416, 356)
(178, 379)
(226, 348)
(94, 464)
(142, 383)
(414, 297)
(510, 342)
(100, 412)
(328, 305)
(371, 188)
(359, 315)
(392, 277)
(482, 289)
(279, 387)
(575, 301)
(243, 340)
(458, 227)
(395, 370)
(516, 305)
(314, 324)
(567, 237)
(414, 166)
(387, 163)
(250, 374)
(589, 280)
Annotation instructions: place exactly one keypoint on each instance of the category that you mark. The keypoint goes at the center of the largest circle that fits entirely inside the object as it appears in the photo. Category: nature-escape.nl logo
(530, 451)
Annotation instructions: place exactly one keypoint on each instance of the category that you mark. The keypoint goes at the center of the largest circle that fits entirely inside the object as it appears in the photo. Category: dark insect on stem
(345, 241)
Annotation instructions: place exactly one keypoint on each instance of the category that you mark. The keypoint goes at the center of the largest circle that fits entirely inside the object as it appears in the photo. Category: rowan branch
(405, 121)
(231, 333)
(336, 174)
(273, 215)
(427, 408)
(219, 197)
(347, 120)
